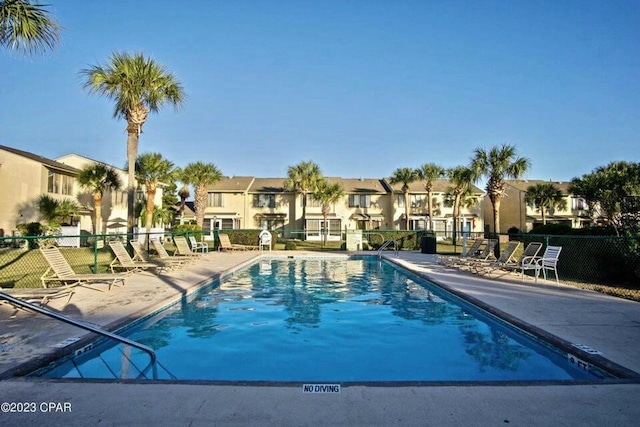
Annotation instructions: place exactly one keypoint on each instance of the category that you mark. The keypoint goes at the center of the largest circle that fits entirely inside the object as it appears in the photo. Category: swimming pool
(325, 320)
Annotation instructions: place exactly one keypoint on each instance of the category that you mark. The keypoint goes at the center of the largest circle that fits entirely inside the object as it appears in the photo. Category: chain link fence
(607, 260)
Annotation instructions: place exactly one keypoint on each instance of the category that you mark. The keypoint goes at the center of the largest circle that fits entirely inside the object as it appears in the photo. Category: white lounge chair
(548, 261)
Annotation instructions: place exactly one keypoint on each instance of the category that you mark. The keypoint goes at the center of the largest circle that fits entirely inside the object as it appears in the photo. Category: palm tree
(429, 173)
(55, 211)
(405, 176)
(327, 194)
(498, 164)
(98, 179)
(201, 175)
(183, 193)
(151, 171)
(303, 179)
(459, 193)
(138, 85)
(27, 27)
(544, 196)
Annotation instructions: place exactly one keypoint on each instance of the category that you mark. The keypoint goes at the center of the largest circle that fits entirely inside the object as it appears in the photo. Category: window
(313, 203)
(60, 184)
(264, 200)
(578, 203)
(215, 200)
(400, 200)
(417, 200)
(359, 201)
(271, 224)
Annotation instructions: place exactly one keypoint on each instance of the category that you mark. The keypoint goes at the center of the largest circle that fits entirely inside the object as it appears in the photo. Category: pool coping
(623, 374)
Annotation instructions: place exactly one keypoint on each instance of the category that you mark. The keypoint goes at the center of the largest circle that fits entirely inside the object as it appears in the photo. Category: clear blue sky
(359, 87)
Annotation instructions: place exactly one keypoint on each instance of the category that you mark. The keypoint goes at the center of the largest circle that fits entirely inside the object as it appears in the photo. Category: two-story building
(516, 212)
(368, 204)
(471, 217)
(26, 176)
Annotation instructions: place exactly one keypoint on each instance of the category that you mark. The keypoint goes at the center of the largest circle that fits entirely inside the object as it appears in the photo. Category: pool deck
(607, 324)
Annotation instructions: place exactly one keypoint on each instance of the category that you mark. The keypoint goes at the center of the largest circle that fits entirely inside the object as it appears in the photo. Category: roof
(232, 184)
(267, 185)
(439, 186)
(523, 184)
(360, 185)
(45, 161)
(63, 159)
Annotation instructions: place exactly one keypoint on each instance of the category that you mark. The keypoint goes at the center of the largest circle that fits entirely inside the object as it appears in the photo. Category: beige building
(24, 177)
(368, 204)
(515, 212)
(471, 218)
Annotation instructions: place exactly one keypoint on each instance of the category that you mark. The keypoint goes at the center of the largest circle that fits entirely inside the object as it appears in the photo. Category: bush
(554, 229)
(513, 233)
(188, 230)
(290, 246)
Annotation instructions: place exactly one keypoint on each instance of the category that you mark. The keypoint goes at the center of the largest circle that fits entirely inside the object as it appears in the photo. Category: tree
(404, 176)
(497, 165)
(151, 171)
(429, 173)
(544, 196)
(27, 27)
(57, 212)
(303, 179)
(615, 190)
(98, 179)
(138, 85)
(201, 175)
(183, 193)
(327, 194)
(459, 193)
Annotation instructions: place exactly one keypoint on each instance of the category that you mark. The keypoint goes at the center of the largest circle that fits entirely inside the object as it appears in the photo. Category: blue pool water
(329, 320)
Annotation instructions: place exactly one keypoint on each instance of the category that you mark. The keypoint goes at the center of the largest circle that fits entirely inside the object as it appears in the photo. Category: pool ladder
(87, 327)
(386, 244)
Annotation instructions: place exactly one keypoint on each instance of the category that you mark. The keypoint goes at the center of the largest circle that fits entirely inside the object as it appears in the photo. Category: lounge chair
(548, 261)
(198, 246)
(38, 295)
(183, 249)
(124, 261)
(168, 263)
(472, 251)
(226, 245)
(164, 255)
(60, 271)
(530, 251)
(505, 258)
(483, 255)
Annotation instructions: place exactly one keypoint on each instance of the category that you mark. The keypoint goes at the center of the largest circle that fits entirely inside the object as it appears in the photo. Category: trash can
(428, 245)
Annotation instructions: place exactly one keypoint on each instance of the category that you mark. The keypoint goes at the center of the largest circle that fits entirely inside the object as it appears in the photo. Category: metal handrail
(387, 244)
(82, 325)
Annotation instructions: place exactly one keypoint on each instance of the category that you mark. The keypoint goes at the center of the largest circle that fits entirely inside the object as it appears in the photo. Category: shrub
(290, 246)
(555, 229)
(188, 230)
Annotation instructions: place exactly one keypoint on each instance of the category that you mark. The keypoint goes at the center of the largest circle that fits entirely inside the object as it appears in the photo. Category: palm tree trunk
(544, 218)
(97, 210)
(430, 210)
(200, 202)
(151, 195)
(304, 216)
(496, 213)
(132, 154)
(406, 209)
